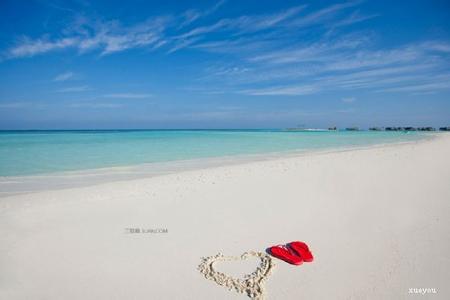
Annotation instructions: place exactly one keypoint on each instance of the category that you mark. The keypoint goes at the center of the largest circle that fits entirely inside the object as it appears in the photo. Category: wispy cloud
(27, 47)
(166, 30)
(214, 8)
(346, 110)
(323, 14)
(192, 15)
(282, 90)
(64, 76)
(348, 99)
(128, 96)
(85, 35)
(439, 46)
(96, 105)
(111, 37)
(427, 87)
(108, 37)
(266, 54)
(245, 23)
(340, 65)
(75, 89)
(354, 18)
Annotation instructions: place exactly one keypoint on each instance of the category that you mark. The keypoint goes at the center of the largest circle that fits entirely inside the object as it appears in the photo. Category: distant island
(409, 128)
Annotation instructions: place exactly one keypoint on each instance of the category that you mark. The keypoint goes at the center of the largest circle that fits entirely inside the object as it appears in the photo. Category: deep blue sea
(43, 152)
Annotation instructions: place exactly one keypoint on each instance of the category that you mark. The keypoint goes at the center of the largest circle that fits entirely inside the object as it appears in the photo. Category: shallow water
(45, 152)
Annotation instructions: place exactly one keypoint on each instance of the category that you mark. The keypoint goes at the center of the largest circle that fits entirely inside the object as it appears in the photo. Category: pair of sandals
(294, 253)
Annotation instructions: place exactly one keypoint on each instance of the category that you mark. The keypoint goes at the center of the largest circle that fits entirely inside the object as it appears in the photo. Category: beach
(377, 221)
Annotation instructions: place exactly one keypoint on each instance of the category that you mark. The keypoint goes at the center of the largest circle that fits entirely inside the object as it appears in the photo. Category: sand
(377, 221)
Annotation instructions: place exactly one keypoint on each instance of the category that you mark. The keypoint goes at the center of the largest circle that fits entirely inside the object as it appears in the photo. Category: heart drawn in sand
(252, 284)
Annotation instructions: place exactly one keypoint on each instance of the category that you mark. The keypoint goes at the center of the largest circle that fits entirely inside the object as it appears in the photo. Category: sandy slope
(377, 220)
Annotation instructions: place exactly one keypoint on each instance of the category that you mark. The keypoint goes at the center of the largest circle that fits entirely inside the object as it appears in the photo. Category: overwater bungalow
(426, 129)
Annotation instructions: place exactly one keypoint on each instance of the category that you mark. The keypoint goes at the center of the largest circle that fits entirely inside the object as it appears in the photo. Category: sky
(223, 64)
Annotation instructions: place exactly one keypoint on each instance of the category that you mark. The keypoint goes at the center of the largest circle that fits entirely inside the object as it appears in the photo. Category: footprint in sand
(252, 284)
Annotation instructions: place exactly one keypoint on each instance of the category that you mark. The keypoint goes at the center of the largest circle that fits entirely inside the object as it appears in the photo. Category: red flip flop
(284, 253)
(302, 250)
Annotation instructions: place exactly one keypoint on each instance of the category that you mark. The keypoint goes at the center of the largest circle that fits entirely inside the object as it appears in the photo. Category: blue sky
(223, 64)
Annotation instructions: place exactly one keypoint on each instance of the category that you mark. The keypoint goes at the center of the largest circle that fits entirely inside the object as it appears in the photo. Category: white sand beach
(377, 221)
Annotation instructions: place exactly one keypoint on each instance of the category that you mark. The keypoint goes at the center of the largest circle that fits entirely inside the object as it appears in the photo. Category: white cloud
(74, 89)
(355, 17)
(439, 46)
(111, 36)
(28, 47)
(245, 23)
(427, 87)
(342, 65)
(266, 50)
(323, 14)
(85, 36)
(64, 76)
(128, 96)
(348, 99)
(96, 105)
(281, 91)
(346, 111)
(183, 44)
(191, 15)
(320, 51)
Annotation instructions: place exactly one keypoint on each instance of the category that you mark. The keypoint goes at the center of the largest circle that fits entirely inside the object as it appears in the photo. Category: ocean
(46, 152)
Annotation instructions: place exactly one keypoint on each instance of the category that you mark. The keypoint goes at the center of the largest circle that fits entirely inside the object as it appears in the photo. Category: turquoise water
(41, 152)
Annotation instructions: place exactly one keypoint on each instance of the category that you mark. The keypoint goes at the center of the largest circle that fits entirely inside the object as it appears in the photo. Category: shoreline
(24, 184)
